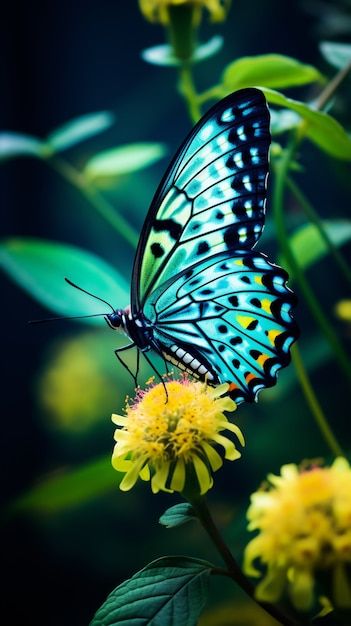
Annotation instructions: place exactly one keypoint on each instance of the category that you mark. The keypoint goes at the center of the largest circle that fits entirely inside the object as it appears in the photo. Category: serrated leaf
(337, 54)
(122, 160)
(79, 129)
(163, 54)
(309, 246)
(16, 145)
(321, 128)
(270, 70)
(170, 591)
(177, 515)
(40, 266)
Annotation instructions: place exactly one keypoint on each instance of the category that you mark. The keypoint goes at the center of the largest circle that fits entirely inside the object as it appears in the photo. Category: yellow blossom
(170, 439)
(158, 10)
(304, 524)
(343, 310)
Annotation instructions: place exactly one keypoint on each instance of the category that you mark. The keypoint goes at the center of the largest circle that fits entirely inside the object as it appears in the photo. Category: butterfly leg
(157, 373)
(137, 367)
(123, 349)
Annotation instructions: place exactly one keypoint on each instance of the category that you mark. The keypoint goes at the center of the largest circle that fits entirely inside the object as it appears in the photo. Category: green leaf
(177, 515)
(170, 591)
(16, 145)
(337, 54)
(320, 128)
(308, 245)
(122, 160)
(270, 70)
(40, 266)
(163, 55)
(79, 129)
(69, 489)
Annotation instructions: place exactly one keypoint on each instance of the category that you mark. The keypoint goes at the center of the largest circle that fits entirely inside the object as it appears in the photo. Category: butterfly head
(117, 319)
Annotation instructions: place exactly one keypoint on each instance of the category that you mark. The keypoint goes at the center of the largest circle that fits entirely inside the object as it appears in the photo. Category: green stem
(313, 403)
(313, 216)
(295, 269)
(201, 509)
(188, 91)
(332, 86)
(100, 204)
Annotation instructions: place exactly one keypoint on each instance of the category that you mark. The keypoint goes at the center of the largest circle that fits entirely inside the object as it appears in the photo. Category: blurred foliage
(64, 514)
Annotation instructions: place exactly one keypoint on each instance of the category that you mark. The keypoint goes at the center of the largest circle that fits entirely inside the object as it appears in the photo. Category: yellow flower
(170, 442)
(158, 10)
(304, 524)
(343, 310)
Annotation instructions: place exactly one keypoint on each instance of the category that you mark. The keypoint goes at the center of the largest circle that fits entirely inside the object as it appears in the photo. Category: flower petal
(132, 475)
(271, 587)
(178, 478)
(120, 420)
(301, 588)
(214, 458)
(202, 473)
(231, 452)
(234, 429)
(159, 479)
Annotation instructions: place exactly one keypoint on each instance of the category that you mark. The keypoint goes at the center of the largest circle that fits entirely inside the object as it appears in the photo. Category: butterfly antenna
(89, 293)
(70, 317)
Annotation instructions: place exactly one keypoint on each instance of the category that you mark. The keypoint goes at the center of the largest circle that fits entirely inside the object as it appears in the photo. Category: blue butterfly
(200, 297)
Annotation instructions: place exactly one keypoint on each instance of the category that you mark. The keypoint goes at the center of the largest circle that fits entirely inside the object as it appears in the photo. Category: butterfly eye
(114, 319)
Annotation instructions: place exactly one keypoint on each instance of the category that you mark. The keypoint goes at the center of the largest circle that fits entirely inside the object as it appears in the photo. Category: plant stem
(100, 204)
(295, 269)
(331, 87)
(313, 216)
(313, 403)
(187, 89)
(201, 509)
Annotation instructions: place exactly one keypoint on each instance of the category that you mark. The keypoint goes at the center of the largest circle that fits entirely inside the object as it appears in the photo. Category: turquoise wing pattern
(218, 310)
(212, 197)
(236, 311)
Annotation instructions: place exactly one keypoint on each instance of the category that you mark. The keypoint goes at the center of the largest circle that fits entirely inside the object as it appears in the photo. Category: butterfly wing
(212, 197)
(227, 319)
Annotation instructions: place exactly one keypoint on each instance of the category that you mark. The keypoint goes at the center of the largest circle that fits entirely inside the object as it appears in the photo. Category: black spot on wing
(203, 247)
(174, 229)
(235, 341)
(233, 300)
(157, 250)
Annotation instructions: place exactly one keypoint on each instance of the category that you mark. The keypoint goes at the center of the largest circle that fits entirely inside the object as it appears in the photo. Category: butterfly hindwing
(212, 197)
(235, 313)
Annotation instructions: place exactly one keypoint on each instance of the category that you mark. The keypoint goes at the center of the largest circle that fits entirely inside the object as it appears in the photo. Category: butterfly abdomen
(191, 362)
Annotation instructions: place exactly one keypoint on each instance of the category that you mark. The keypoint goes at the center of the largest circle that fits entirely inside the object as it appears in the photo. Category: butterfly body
(201, 297)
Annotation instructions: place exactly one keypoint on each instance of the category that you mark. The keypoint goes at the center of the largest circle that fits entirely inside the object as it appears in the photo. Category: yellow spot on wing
(273, 334)
(258, 280)
(239, 262)
(244, 320)
(266, 305)
(262, 359)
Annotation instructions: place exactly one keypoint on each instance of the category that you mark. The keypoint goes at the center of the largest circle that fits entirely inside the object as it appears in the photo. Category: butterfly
(201, 298)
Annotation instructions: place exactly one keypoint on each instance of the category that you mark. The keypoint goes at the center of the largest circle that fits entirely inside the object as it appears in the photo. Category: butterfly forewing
(217, 309)
(212, 197)
(236, 311)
